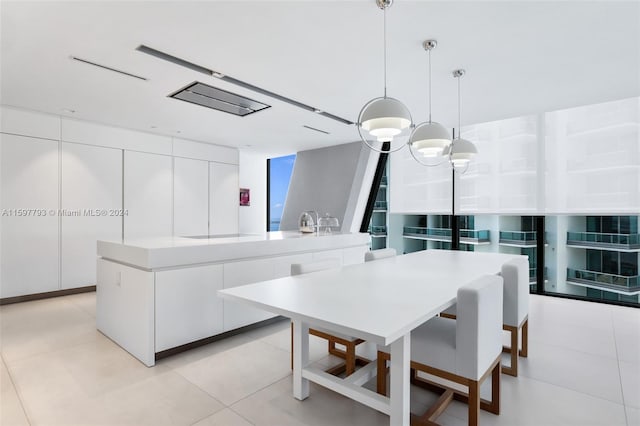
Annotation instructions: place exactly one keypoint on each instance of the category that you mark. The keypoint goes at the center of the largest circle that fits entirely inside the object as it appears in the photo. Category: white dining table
(379, 301)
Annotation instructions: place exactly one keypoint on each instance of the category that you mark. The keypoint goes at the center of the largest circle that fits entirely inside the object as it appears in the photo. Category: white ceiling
(521, 58)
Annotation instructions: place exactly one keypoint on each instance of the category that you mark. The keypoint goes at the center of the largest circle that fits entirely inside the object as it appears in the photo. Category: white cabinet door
(241, 273)
(187, 305)
(353, 255)
(147, 195)
(190, 197)
(91, 187)
(282, 265)
(29, 246)
(328, 254)
(125, 308)
(224, 198)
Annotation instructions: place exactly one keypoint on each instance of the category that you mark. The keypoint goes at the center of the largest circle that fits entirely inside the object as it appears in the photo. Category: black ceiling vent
(218, 99)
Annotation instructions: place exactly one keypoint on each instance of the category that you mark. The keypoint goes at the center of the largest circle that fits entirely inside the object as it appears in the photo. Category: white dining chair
(515, 310)
(379, 254)
(465, 351)
(332, 338)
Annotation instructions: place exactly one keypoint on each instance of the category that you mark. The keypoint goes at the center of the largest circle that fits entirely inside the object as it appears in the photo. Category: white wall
(57, 164)
(253, 175)
(322, 180)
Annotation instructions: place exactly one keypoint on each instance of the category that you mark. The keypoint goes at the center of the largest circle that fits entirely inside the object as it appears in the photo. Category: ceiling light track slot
(75, 58)
(174, 59)
(195, 67)
(315, 130)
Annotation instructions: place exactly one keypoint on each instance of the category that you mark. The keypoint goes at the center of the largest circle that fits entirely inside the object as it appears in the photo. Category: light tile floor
(56, 369)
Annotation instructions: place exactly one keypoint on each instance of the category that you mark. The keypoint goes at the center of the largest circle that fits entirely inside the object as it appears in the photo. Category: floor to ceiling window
(561, 187)
(279, 172)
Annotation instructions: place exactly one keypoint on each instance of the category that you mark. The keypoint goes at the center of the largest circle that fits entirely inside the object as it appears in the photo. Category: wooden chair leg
(381, 377)
(494, 407)
(525, 339)
(350, 361)
(474, 402)
(512, 370)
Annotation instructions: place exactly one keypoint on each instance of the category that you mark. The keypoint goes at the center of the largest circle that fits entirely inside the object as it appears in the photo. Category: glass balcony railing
(380, 205)
(603, 281)
(525, 238)
(378, 230)
(533, 275)
(383, 181)
(597, 239)
(468, 236)
(479, 235)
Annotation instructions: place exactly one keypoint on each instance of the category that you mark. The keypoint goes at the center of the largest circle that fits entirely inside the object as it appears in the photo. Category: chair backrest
(319, 265)
(516, 291)
(479, 326)
(379, 254)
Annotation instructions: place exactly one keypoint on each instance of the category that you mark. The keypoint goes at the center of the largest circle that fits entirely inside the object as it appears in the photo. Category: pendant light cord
(429, 86)
(385, 49)
(459, 107)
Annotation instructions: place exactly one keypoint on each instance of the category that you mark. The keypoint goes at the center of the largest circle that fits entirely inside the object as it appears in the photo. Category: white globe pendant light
(384, 118)
(461, 151)
(428, 140)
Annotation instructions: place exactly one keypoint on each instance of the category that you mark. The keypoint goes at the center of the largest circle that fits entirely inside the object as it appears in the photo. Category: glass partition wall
(562, 188)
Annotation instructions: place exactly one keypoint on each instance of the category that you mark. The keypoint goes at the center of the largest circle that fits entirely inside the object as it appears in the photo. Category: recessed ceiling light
(217, 74)
(154, 127)
(70, 111)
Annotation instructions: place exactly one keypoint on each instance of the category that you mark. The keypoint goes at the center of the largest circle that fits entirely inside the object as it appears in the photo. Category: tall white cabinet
(30, 245)
(63, 184)
(148, 184)
(224, 198)
(190, 197)
(91, 185)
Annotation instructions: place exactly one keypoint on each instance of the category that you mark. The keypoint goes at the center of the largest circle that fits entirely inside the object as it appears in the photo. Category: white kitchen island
(154, 295)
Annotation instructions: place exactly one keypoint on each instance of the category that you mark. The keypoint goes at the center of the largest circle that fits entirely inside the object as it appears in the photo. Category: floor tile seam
(288, 351)
(241, 416)
(631, 335)
(210, 414)
(15, 389)
(552, 326)
(259, 390)
(91, 314)
(615, 341)
(621, 403)
(48, 353)
(263, 340)
(202, 390)
(575, 350)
